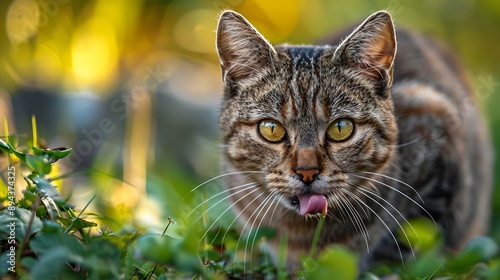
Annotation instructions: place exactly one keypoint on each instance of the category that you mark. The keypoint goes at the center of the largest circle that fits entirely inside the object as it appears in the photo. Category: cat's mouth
(310, 204)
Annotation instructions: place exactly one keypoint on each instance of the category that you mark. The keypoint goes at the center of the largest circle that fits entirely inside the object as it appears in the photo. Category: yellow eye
(272, 131)
(340, 130)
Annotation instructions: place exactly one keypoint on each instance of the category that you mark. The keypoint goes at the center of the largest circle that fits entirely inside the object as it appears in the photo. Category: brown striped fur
(416, 124)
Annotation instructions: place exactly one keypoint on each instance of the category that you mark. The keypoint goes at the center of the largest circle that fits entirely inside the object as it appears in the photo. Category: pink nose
(307, 174)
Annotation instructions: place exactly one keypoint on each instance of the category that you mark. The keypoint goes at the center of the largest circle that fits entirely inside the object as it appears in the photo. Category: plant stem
(316, 236)
(166, 228)
(152, 271)
(79, 214)
(34, 131)
(28, 229)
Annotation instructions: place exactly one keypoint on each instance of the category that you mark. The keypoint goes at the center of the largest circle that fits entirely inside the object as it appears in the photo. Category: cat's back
(437, 110)
(426, 60)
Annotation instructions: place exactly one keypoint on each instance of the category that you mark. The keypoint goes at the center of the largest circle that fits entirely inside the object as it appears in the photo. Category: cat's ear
(371, 48)
(243, 51)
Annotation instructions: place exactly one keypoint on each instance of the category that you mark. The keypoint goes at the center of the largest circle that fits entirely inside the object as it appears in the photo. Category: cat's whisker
(394, 179)
(398, 191)
(225, 211)
(218, 194)
(273, 201)
(407, 143)
(353, 196)
(256, 230)
(236, 218)
(220, 216)
(369, 193)
(393, 207)
(373, 187)
(337, 201)
(359, 224)
(204, 253)
(250, 186)
(274, 210)
(224, 175)
(248, 220)
(367, 215)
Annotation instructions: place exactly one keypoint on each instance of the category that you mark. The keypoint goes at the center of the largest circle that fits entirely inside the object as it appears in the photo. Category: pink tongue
(313, 204)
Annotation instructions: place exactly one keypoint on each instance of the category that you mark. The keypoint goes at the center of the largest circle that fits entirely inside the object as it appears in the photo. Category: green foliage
(52, 241)
(333, 261)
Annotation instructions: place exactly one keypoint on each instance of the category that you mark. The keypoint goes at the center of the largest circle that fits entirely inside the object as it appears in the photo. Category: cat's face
(312, 119)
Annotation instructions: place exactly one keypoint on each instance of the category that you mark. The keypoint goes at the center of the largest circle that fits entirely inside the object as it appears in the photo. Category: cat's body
(320, 130)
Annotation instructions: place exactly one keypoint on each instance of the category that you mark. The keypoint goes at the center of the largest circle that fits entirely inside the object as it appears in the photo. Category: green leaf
(254, 235)
(63, 204)
(78, 223)
(38, 151)
(133, 263)
(28, 261)
(103, 259)
(27, 200)
(484, 247)
(53, 155)
(155, 248)
(478, 250)
(103, 248)
(4, 147)
(38, 164)
(167, 250)
(51, 263)
(59, 153)
(51, 207)
(18, 154)
(368, 276)
(45, 241)
(420, 234)
(427, 264)
(187, 262)
(17, 220)
(6, 260)
(45, 187)
(334, 263)
(51, 226)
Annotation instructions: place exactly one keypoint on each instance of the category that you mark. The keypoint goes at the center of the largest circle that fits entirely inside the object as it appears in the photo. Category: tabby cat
(351, 131)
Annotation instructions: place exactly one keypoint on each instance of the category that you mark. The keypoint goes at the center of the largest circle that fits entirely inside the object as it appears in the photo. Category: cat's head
(309, 117)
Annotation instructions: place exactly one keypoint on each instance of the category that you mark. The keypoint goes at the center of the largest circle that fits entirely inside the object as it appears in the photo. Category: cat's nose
(308, 175)
(307, 164)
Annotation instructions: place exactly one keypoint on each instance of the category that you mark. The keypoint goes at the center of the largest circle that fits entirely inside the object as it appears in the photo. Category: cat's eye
(272, 131)
(340, 130)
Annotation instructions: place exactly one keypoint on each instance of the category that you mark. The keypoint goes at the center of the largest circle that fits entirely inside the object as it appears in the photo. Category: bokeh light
(22, 21)
(94, 54)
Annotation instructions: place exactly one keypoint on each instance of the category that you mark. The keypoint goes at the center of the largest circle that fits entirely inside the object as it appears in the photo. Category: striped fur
(415, 151)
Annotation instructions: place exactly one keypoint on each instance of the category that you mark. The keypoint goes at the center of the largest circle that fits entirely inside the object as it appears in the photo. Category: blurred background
(134, 86)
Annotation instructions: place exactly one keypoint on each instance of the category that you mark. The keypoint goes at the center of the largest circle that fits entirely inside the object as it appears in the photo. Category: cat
(370, 131)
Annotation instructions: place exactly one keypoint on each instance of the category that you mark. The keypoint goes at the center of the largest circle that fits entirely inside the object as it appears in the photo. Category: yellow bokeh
(47, 66)
(195, 31)
(273, 19)
(22, 21)
(94, 54)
